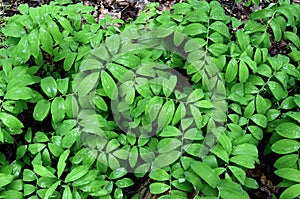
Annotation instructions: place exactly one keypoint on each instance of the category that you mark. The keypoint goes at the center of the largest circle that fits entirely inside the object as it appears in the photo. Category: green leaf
(35, 148)
(67, 194)
(239, 173)
(243, 72)
(297, 100)
(291, 192)
(197, 116)
(256, 132)
(170, 131)
(243, 160)
(51, 190)
(288, 103)
(13, 30)
(63, 85)
(69, 61)
(286, 161)
(55, 150)
(195, 96)
(41, 110)
(225, 141)
(245, 149)
(49, 86)
(125, 182)
(183, 186)
(118, 173)
(133, 156)
(117, 70)
(10, 121)
(113, 162)
(289, 174)
(142, 87)
(221, 28)
(285, 146)
(178, 38)
(194, 44)
(193, 179)
(220, 152)
(217, 12)
(205, 104)
(58, 109)
(146, 71)
(113, 44)
(11, 194)
(46, 40)
(194, 29)
(294, 115)
(194, 134)
(118, 194)
(288, 130)
(40, 137)
(34, 43)
(206, 173)
(168, 144)
(65, 23)
(77, 173)
(159, 175)
(277, 90)
(5, 179)
(35, 15)
(53, 28)
(193, 149)
(261, 14)
(42, 171)
(264, 70)
(100, 103)
(232, 190)
(88, 178)
(62, 162)
(19, 93)
(28, 175)
(258, 56)
(22, 50)
(292, 37)
(251, 183)
(179, 114)
(243, 39)
(261, 105)
(166, 114)
(260, 120)
(231, 70)
(169, 85)
(87, 84)
(29, 189)
(158, 187)
(71, 106)
(108, 84)
(165, 159)
(217, 49)
(276, 30)
(129, 60)
(91, 64)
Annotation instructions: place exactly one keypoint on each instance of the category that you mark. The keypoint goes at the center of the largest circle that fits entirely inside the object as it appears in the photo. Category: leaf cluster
(101, 100)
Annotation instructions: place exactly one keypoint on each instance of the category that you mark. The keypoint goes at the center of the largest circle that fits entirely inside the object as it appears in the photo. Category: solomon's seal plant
(180, 100)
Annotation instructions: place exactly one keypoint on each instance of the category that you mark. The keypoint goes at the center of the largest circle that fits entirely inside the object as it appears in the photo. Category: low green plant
(3, 21)
(92, 107)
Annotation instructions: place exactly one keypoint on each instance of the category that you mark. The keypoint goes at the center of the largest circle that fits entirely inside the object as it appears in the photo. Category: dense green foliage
(92, 107)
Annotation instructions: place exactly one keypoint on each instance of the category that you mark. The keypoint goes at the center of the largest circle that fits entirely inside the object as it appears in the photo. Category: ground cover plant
(180, 104)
